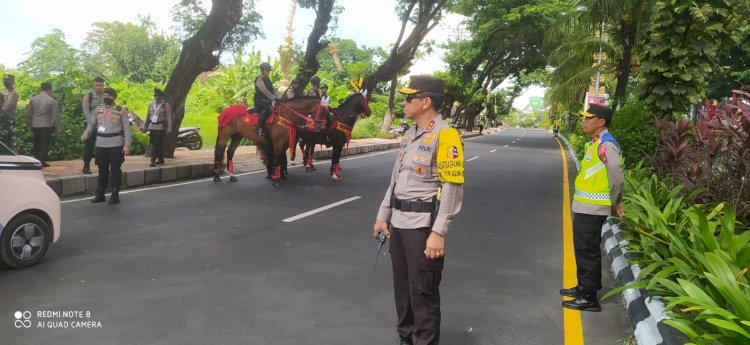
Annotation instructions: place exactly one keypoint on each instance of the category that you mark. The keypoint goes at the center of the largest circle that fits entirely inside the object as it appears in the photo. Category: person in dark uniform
(113, 141)
(424, 195)
(89, 103)
(264, 96)
(315, 89)
(292, 91)
(159, 122)
(8, 110)
(598, 194)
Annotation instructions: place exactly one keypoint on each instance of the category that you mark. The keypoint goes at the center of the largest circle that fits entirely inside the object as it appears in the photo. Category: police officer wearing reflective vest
(113, 141)
(598, 194)
(159, 122)
(424, 195)
(264, 96)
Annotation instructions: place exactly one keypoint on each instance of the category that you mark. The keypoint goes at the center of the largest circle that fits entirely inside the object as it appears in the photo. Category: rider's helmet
(265, 66)
(315, 80)
(324, 86)
(295, 81)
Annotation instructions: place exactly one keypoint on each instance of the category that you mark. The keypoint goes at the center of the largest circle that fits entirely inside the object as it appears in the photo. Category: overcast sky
(372, 23)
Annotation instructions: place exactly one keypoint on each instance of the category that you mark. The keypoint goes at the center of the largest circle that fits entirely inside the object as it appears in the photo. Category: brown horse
(286, 118)
(337, 134)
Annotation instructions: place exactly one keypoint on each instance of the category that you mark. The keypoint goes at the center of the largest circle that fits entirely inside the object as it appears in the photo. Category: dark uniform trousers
(263, 109)
(42, 140)
(88, 147)
(110, 158)
(587, 237)
(415, 283)
(156, 137)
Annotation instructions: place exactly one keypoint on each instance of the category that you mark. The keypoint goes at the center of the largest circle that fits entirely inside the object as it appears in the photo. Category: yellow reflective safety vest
(592, 184)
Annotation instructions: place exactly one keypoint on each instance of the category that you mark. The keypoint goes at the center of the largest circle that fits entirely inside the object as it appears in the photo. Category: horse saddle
(251, 119)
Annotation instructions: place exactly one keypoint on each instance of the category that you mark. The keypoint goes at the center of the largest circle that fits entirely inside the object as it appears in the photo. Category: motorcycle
(190, 137)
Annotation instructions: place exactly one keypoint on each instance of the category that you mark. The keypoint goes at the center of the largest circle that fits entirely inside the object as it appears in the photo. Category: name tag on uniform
(101, 129)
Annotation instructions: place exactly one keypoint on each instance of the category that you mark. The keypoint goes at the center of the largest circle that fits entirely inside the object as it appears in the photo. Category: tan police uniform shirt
(110, 120)
(43, 111)
(97, 99)
(415, 177)
(11, 101)
(159, 116)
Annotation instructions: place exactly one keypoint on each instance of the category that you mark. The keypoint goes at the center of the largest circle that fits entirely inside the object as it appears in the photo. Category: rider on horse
(315, 90)
(324, 98)
(265, 94)
(292, 91)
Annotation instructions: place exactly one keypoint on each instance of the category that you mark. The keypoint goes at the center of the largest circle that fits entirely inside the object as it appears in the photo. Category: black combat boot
(99, 197)
(405, 340)
(585, 301)
(572, 292)
(115, 197)
(87, 168)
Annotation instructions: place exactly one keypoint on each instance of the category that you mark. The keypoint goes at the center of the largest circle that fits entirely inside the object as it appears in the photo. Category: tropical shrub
(633, 126)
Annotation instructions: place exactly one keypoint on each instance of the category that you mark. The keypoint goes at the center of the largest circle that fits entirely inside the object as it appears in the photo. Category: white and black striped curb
(645, 313)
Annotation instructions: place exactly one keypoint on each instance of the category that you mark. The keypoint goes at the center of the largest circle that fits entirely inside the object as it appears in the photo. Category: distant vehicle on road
(29, 211)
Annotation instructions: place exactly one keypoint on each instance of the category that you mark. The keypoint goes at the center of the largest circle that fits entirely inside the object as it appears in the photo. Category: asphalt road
(206, 263)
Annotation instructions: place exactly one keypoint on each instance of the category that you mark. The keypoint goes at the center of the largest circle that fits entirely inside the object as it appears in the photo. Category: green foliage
(189, 16)
(686, 37)
(695, 256)
(369, 127)
(135, 52)
(735, 65)
(140, 142)
(633, 126)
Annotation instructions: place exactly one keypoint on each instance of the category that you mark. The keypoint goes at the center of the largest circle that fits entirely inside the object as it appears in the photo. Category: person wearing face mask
(42, 117)
(113, 141)
(159, 122)
(8, 110)
(90, 102)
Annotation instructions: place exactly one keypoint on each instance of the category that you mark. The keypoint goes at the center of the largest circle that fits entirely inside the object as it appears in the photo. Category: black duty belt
(109, 135)
(162, 122)
(412, 205)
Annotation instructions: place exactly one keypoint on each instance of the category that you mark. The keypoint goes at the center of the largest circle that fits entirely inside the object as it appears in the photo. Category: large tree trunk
(310, 64)
(388, 118)
(428, 16)
(200, 53)
(628, 40)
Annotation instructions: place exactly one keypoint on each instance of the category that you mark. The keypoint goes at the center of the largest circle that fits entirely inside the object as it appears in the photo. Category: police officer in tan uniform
(159, 122)
(424, 194)
(113, 141)
(90, 102)
(8, 110)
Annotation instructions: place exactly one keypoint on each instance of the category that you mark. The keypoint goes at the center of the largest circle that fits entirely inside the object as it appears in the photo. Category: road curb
(85, 184)
(646, 313)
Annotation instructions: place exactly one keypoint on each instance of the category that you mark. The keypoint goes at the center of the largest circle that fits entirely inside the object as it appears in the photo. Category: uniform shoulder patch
(450, 157)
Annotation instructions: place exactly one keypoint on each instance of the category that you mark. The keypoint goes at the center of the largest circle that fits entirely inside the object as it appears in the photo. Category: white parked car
(29, 210)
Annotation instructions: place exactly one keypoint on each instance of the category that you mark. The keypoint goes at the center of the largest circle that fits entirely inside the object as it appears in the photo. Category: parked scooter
(189, 137)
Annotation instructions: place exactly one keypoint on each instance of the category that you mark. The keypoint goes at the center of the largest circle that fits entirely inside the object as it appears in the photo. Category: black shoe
(160, 161)
(404, 340)
(115, 197)
(572, 292)
(584, 303)
(86, 169)
(153, 165)
(99, 197)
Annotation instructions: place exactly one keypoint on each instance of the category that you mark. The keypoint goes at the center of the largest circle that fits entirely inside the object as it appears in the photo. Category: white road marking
(505, 146)
(493, 151)
(471, 159)
(211, 178)
(320, 209)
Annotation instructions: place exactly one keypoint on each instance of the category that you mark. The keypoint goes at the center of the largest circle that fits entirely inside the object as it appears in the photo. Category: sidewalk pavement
(66, 178)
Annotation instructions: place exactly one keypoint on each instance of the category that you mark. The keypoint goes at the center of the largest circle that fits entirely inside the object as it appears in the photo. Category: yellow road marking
(571, 318)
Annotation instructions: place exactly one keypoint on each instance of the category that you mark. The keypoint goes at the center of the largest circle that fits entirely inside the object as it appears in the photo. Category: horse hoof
(233, 179)
(336, 177)
(312, 168)
(308, 169)
(217, 179)
(277, 184)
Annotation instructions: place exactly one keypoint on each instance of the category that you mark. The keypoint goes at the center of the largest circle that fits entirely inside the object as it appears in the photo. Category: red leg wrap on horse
(230, 167)
(335, 170)
(276, 173)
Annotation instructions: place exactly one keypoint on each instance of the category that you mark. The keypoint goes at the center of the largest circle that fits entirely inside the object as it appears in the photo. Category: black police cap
(423, 83)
